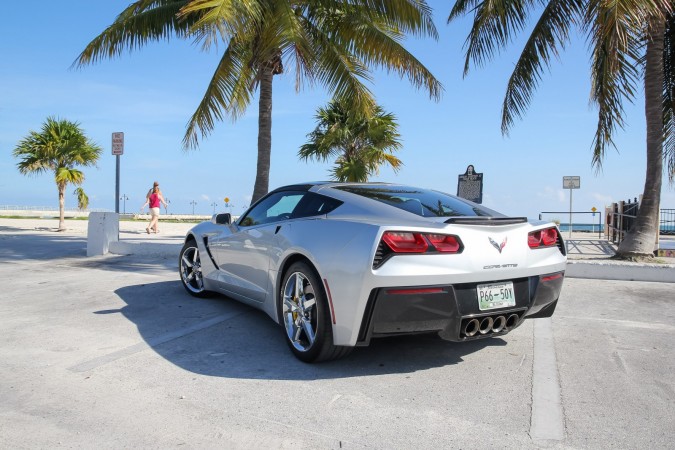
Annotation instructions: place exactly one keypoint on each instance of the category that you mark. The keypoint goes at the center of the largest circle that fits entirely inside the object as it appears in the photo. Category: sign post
(117, 150)
(570, 183)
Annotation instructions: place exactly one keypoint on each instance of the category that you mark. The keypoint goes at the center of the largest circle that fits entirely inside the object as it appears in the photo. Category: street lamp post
(193, 203)
(214, 204)
(124, 199)
(166, 208)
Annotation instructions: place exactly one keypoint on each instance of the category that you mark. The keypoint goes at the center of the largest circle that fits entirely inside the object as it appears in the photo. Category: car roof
(330, 184)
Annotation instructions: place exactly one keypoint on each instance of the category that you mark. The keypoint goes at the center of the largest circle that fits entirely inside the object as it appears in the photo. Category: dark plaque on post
(470, 185)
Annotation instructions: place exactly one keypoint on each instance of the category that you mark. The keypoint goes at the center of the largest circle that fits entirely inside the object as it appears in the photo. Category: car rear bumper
(452, 310)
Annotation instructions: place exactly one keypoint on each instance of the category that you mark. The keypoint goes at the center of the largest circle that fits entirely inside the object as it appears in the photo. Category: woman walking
(153, 199)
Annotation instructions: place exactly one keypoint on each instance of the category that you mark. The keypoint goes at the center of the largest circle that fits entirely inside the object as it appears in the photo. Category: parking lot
(111, 352)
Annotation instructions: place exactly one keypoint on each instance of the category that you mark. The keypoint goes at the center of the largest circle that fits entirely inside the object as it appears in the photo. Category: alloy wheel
(299, 312)
(191, 270)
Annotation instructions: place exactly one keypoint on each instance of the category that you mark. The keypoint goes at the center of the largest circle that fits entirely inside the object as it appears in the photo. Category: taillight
(403, 242)
(444, 242)
(409, 242)
(547, 237)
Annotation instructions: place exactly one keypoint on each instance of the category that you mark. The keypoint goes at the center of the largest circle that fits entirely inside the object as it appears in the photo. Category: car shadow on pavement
(223, 338)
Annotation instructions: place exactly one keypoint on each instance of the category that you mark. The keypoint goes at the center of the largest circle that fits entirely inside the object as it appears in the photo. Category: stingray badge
(499, 247)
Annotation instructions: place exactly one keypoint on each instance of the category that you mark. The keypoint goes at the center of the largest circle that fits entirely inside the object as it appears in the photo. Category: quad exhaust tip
(488, 325)
(471, 327)
(499, 324)
(512, 321)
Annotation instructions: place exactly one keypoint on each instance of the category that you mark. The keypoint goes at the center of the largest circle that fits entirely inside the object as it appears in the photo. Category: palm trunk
(262, 176)
(641, 238)
(62, 204)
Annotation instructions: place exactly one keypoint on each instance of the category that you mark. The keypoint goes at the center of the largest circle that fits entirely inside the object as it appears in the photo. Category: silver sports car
(341, 263)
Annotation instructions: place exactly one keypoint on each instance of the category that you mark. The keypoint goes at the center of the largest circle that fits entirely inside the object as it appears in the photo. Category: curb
(615, 270)
(164, 250)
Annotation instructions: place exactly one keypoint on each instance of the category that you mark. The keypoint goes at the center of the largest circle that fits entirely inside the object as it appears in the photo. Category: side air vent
(560, 243)
(380, 254)
(495, 221)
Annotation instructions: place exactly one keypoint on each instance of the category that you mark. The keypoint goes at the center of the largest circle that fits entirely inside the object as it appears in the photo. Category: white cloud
(602, 198)
(551, 193)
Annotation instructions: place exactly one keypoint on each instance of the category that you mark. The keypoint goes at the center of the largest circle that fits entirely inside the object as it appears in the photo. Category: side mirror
(224, 219)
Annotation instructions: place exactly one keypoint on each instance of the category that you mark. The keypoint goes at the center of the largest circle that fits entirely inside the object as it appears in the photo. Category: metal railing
(621, 216)
(46, 208)
(567, 227)
(667, 222)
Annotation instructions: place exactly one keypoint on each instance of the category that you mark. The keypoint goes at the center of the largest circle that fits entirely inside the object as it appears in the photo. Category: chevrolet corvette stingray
(338, 264)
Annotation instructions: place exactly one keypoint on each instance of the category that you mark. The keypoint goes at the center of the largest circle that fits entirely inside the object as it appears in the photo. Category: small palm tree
(58, 147)
(360, 142)
(334, 44)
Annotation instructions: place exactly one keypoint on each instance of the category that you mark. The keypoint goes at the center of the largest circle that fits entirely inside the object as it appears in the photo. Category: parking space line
(152, 342)
(547, 422)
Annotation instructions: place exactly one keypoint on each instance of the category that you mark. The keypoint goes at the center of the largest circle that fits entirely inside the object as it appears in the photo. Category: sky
(150, 94)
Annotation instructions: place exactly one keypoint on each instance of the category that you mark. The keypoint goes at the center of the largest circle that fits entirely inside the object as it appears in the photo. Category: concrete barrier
(162, 249)
(102, 230)
(618, 270)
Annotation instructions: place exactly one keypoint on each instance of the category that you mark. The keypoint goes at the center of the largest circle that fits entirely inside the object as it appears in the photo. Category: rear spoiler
(490, 221)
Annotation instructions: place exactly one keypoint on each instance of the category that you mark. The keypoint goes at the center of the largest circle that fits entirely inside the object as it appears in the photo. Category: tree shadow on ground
(223, 338)
(39, 246)
(126, 263)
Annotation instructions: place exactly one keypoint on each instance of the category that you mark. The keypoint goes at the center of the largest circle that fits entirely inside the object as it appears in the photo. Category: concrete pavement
(110, 352)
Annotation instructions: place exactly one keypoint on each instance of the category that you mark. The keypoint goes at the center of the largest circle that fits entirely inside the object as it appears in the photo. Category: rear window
(423, 202)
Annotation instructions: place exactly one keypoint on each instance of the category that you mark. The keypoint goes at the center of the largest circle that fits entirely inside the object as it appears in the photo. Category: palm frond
(617, 39)
(411, 17)
(141, 22)
(82, 199)
(68, 175)
(220, 18)
(550, 33)
(494, 24)
(340, 71)
(350, 171)
(461, 7)
(378, 45)
(229, 93)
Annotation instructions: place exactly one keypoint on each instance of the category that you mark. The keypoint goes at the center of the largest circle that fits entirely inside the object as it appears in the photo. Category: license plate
(493, 296)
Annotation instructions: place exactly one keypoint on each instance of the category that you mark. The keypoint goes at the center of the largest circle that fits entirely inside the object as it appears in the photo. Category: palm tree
(627, 41)
(360, 143)
(58, 147)
(327, 42)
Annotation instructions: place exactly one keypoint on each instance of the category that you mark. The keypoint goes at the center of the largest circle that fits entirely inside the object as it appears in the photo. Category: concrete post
(103, 228)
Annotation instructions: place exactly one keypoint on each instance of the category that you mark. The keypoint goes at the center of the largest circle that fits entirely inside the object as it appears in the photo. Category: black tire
(189, 269)
(303, 312)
